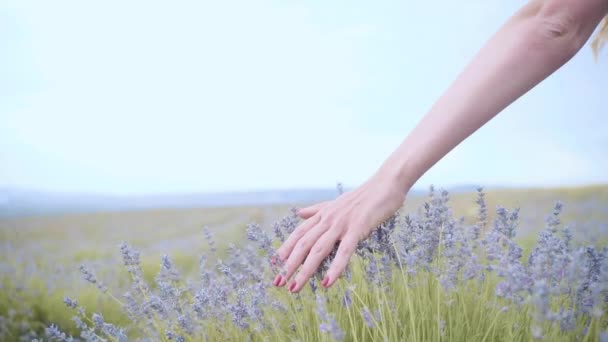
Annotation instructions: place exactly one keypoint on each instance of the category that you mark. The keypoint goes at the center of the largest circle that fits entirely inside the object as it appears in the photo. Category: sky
(135, 97)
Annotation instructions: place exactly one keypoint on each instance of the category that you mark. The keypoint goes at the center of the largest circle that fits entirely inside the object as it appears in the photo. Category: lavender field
(501, 265)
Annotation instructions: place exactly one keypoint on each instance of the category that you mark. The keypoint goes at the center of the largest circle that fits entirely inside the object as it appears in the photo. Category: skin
(535, 42)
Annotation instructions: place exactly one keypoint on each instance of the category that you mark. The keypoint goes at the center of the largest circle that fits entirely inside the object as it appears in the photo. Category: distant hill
(22, 202)
(19, 202)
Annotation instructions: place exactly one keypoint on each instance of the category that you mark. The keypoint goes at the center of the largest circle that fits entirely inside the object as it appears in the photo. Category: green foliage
(416, 308)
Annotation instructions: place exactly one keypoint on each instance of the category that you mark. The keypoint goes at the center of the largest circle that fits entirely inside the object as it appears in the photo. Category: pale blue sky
(150, 96)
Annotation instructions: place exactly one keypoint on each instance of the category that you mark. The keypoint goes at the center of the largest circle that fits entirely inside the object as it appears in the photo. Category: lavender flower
(89, 276)
(367, 318)
(70, 302)
(328, 322)
(209, 238)
(255, 233)
(54, 334)
(234, 291)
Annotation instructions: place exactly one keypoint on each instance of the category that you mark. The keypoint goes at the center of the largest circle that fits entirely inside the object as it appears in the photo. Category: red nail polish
(277, 280)
(283, 281)
(292, 286)
(325, 281)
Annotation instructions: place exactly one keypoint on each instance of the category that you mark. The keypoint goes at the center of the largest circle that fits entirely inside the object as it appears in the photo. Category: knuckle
(341, 223)
(303, 244)
(298, 233)
(363, 234)
(290, 267)
(324, 224)
(317, 249)
(345, 250)
(294, 237)
(333, 222)
(286, 249)
(327, 219)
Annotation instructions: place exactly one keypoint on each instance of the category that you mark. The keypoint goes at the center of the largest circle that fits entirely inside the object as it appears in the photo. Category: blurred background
(145, 121)
(151, 98)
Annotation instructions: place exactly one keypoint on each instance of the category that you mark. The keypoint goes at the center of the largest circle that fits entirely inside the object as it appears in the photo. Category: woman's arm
(535, 42)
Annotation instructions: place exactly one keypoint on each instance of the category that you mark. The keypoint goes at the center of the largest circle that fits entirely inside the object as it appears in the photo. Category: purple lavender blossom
(328, 322)
(54, 334)
(209, 238)
(367, 318)
(70, 302)
(235, 291)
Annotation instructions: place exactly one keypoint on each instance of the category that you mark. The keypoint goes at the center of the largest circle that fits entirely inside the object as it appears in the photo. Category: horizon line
(419, 188)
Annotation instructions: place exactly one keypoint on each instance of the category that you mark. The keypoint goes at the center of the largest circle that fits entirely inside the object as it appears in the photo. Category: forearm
(521, 54)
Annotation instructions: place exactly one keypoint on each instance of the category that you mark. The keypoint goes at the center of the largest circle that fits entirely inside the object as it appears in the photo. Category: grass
(40, 258)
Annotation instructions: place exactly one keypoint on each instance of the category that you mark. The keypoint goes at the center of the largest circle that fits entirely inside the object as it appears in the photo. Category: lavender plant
(427, 276)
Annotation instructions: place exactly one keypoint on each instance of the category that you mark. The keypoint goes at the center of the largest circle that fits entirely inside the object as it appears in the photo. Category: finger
(345, 251)
(300, 251)
(309, 212)
(285, 250)
(318, 252)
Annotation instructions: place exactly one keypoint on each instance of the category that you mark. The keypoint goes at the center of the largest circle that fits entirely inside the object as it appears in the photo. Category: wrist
(397, 174)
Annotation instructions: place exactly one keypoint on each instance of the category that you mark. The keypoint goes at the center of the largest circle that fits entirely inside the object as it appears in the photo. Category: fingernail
(282, 282)
(325, 281)
(277, 280)
(292, 286)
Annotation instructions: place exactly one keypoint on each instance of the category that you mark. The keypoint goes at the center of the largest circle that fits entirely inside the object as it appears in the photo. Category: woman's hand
(349, 219)
(535, 42)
